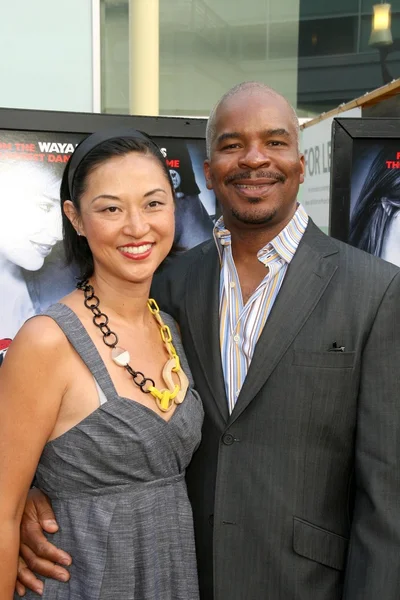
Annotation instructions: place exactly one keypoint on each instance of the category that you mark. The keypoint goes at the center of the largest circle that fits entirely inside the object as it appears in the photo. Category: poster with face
(195, 204)
(33, 270)
(375, 198)
(31, 167)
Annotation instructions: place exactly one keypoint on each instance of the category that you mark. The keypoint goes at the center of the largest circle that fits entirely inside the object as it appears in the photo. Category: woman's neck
(124, 299)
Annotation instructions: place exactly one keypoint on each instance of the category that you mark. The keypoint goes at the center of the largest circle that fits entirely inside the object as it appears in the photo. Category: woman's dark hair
(377, 203)
(76, 247)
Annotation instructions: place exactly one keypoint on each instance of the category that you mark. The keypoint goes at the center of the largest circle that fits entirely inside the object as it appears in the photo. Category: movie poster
(195, 205)
(33, 270)
(315, 142)
(375, 198)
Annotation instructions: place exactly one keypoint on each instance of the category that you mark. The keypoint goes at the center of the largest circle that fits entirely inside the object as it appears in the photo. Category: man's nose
(254, 156)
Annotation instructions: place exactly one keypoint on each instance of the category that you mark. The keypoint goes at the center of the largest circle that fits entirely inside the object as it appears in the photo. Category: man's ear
(73, 216)
(207, 174)
(303, 168)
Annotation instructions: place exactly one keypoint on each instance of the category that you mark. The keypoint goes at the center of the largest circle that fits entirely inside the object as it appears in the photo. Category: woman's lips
(136, 252)
(42, 249)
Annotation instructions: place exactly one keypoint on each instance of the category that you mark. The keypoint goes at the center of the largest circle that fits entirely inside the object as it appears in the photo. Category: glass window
(315, 53)
(327, 37)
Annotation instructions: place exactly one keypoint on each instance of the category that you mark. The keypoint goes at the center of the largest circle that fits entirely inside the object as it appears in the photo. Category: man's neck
(247, 243)
(248, 240)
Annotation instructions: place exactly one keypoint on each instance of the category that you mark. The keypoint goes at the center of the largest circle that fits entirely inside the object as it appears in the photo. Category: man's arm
(373, 565)
(37, 554)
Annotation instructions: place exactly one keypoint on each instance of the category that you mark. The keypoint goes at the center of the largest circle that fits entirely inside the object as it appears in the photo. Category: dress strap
(80, 340)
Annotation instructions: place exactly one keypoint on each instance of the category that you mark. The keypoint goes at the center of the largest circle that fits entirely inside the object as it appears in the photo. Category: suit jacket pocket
(327, 360)
(319, 544)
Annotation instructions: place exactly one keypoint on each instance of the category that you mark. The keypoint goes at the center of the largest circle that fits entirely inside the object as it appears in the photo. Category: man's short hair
(240, 87)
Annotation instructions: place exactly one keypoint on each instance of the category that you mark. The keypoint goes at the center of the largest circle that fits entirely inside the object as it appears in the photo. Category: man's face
(255, 167)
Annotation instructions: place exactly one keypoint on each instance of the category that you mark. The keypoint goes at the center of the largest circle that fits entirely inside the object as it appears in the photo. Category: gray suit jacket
(296, 494)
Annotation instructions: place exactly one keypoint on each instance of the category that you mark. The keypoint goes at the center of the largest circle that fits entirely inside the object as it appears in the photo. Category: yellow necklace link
(165, 398)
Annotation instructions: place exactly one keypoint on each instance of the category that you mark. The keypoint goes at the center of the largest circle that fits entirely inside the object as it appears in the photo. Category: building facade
(98, 55)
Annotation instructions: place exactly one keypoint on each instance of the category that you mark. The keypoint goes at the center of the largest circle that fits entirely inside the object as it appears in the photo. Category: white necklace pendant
(183, 380)
(120, 356)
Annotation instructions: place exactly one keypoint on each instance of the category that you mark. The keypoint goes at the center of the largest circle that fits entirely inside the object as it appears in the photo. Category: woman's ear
(72, 214)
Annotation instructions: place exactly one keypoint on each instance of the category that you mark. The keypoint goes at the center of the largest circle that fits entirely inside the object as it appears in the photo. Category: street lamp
(381, 37)
(380, 33)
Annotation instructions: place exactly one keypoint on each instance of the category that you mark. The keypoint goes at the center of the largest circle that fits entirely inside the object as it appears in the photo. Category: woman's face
(127, 216)
(391, 243)
(30, 221)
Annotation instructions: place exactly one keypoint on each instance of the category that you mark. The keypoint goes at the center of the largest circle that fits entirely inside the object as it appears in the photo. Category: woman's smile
(137, 251)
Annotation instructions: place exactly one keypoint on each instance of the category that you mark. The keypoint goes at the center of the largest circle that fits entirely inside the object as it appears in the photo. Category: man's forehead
(242, 106)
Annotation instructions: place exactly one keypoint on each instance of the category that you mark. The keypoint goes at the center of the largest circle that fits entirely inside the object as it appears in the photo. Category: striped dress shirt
(241, 324)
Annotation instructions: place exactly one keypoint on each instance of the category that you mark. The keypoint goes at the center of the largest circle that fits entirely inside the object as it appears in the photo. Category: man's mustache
(257, 175)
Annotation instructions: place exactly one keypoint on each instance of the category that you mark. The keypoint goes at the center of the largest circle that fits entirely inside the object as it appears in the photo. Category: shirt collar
(285, 243)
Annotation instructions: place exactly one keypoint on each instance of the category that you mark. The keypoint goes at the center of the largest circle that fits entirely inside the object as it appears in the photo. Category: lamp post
(381, 37)
(380, 33)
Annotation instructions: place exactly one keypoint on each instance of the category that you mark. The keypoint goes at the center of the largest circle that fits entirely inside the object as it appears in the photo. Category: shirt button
(232, 284)
(228, 439)
(236, 338)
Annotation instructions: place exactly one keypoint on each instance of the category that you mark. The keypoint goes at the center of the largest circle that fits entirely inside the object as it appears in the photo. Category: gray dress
(117, 484)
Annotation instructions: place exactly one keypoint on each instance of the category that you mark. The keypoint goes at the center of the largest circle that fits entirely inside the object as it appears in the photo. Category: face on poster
(375, 198)
(31, 167)
(33, 270)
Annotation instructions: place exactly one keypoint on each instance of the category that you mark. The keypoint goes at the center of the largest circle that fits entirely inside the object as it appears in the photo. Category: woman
(30, 226)
(116, 420)
(375, 222)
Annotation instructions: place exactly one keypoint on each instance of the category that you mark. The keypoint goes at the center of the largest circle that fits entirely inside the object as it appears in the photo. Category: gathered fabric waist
(133, 488)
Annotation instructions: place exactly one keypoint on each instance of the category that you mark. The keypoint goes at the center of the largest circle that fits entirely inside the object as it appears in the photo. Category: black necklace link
(110, 338)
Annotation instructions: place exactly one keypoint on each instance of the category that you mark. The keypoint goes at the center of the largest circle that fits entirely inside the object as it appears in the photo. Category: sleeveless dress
(117, 484)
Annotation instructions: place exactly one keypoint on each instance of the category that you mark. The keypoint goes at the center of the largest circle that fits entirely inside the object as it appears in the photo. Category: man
(293, 340)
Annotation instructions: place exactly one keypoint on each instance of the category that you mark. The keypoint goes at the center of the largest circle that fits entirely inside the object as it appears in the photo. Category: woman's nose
(54, 225)
(136, 225)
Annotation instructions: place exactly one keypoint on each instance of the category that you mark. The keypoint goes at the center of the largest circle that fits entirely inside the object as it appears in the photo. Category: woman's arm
(32, 385)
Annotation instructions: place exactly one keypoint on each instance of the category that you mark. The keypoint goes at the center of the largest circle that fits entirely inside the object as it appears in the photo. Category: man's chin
(253, 217)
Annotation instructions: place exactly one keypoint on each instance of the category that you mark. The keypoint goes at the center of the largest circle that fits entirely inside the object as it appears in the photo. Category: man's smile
(255, 187)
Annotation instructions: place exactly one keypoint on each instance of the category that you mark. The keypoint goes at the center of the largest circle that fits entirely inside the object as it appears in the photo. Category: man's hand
(37, 553)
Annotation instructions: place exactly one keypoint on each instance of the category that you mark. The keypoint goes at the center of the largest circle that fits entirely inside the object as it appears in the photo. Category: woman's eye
(46, 206)
(154, 204)
(111, 209)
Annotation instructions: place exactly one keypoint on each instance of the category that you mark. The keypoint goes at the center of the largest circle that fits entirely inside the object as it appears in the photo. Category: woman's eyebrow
(154, 191)
(106, 196)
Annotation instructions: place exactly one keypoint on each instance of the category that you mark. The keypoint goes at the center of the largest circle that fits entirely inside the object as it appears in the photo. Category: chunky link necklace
(165, 398)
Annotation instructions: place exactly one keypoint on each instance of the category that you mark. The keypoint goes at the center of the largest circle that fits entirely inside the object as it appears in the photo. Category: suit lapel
(202, 308)
(306, 279)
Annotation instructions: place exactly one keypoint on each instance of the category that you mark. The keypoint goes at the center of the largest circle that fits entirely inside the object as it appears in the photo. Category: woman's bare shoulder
(40, 335)
(35, 363)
